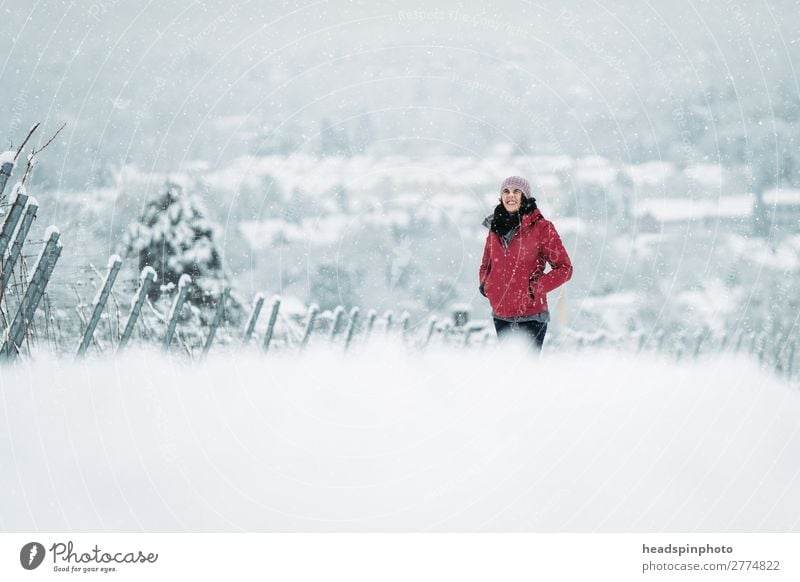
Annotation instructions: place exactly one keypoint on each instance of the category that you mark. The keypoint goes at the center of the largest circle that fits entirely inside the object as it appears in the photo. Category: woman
(512, 277)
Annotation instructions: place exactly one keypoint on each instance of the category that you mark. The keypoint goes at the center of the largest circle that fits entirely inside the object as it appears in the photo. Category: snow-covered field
(384, 440)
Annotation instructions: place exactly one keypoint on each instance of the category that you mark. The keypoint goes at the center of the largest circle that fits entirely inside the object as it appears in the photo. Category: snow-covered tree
(174, 236)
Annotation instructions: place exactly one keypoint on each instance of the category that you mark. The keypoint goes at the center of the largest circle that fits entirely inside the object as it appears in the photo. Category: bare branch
(22, 145)
(35, 151)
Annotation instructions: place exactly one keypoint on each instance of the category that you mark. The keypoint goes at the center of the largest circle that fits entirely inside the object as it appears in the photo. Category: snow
(184, 281)
(382, 440)
(16, 191)
(651, 173)
(757, 251)
(148, 270)
(570, 225)
(7, 157)
(707, 175)
(113, 260)
(688, 209)
(713, 299)
(782, 197)
(51, 231)
(594, 170)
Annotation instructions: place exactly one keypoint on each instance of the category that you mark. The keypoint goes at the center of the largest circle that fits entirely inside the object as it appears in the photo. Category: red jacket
(510, 275)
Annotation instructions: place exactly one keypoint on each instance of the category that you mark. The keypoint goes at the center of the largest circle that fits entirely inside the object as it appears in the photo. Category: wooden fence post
(739, 341)
(10, 223)
(429, 334)
(698, 343)
(147, 278)
(114, 264)
(16, 248)
(312, 316)
(351, 326)
(660, 337)
(405, 321)
(6, 167)
(338, 313)
(48, 272)
(218, 314)
(371, 315)
(388, 317)
(177, 305)
(251, 321)
(33, 294)
(273, 317)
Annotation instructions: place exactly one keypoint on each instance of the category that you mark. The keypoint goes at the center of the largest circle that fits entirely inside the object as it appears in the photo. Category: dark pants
(532, 330)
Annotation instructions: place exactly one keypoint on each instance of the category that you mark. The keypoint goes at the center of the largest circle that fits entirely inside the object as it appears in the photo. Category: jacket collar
(527, 219)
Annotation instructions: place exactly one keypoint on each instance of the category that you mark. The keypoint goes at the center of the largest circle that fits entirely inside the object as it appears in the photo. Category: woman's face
(512, 198)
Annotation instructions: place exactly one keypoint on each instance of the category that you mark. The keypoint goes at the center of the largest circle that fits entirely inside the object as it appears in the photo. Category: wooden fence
(339, 326)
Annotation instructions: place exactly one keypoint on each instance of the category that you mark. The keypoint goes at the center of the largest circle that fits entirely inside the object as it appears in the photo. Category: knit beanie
(516, 182)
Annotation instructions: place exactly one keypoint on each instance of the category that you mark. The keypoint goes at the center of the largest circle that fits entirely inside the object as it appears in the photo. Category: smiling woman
(520, 243)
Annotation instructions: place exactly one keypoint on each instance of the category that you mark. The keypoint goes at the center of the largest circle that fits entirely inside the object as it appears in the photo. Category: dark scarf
(503, 221)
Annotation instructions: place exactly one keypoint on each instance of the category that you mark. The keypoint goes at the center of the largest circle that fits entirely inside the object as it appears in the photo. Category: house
(733, 213)
(781, 209)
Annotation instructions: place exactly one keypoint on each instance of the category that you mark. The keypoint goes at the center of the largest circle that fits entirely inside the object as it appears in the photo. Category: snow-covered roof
(709, 175)
(687, 209)
(782, 197)
(594, 170)
(650, 173)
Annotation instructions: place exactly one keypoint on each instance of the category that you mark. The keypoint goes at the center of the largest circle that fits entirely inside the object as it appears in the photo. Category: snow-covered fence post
(446, 332)
(251, 321)
(726, 338)
(6, 167)
(388, 317)
(660, 337)
(698, 343)
(177, 305)
(312, 316)
(429, 334)
(42, 270)
(114, 264)
(351, 327)
(471, 328)
(371, 315)
(12, 218)
(739, 341)
(48, 272)
(405, 321)
(755, 345)
(338, 313)
(774, 355)
(218, 314)
(273, 317)
(19, 240)
(148, 277)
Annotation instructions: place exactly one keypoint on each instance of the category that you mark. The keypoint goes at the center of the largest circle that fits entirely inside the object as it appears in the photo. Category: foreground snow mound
(384, 440)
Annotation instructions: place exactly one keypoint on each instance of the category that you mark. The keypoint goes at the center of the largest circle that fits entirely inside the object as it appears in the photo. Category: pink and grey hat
(517, 182)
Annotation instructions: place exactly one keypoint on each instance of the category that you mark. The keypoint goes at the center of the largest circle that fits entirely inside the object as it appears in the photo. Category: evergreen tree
(174, 236)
